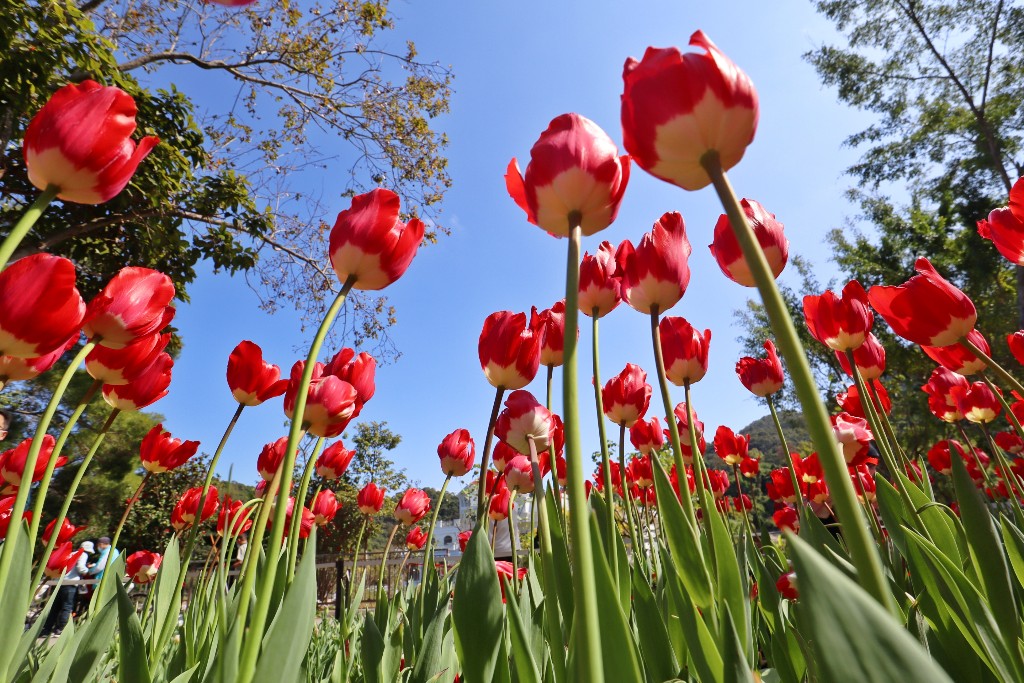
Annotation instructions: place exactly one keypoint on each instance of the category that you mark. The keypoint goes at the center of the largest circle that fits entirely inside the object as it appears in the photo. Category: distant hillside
(764, 438)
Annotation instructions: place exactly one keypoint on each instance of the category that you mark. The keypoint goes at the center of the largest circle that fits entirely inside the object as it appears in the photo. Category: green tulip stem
(606, 469)
(700, 477)
(588, 648)
(384, 562)
(482, 494)
(552, 622)
(670, 417)
(786, 453)
(120, 526)
(626, 498)
(10, 545)
(741, 506)
(513, 539)
(25, 223)
(265, 593)
(51, 464)
(300, 503)
(355, 556)
(79, 475)
(1006, 406)
(864, 552)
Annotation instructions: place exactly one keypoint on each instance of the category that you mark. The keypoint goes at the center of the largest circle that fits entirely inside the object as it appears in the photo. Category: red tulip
(519, 474)
(678, 107)
(853, 436)
(940, 400)
(144, 390)
(306, 521)
(1016, 343)
(457, 452)
(761, 376)
(640, 471)
(718, 482)
(501, 455)
(500, 506)
(684, 349)
(161, 452)
(1006, 232)
(142, 566)
(574, 168)
(231, 512)
(742, 503)
(13, 461)
(61, 560)
(647, 436)
(549, 327)
(178, 523)
(325, 507)
(40, 307)
(331, 403)
(412, 507)
(850, 402)
(926, 309)
(600, 281)
(809, 469)
(14, 369)
(270, 458)
(646, 497)
(977, 402)
(333, 462)
(509, 350)
(863, 483)
(560, 472)
(787, 587)
(1016, 203)
(869, 358)
(616, 476)
(117, 367)
(464, 537)
(135, 303)
(506, 571)
(726, 248)
(1010, 442)
(730, 446)
(840, 323)
(780, 486)
(750, 467)
(786, 518)
(370, 499)
(415, 539)
(251, 379)
(358, 370)
(6, 505)
(370, 244)
(627, 396)
(522, 419)
(957, 358)
(682, 416)
(187, 506)
(656, 273)
(80, 142)
(66, 532)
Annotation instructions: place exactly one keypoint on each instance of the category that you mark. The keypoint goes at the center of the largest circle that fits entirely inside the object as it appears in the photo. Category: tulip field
(876, 566)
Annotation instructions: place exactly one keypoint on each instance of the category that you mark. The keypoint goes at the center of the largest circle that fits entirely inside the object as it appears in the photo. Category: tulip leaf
(855, 638)
(430, 656)
(133, 665)
(477, 611)
(1013, 539)
(683, 540)
(93, 642)
(16, 595)
(730, 585)
(164, 588)
(522, 655)
(659, 657)
(562, 570)
(288, 636)
(19, 661)
(59, 657)
(938, 525)
(734, 658)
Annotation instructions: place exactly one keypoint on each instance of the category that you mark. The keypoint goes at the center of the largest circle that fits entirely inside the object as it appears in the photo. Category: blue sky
(517, 66)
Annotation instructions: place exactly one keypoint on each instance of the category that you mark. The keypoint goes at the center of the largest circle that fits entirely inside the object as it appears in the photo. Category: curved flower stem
(247, 664)
(513, 539)
(700, 477)
(25, 223)
(670, 417)
(741, 506)
(428, 550)
(10, 545)
(1006, 406)
(626, 502)
(606, 469)
(885, 447)
(51, 465)
(300, 503)
(485, 459)
(552, 622)
(384, 562)
(551, 449)
(355, 557)
(120, 526)
(865, 554)
(62, 515)
(588, 637)
(970, 445)
(890, 433)
(788, 455)
(996, 367)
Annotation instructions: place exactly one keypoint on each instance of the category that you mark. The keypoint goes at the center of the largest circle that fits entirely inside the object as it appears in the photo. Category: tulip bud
(656, 273)
(726, 248)
(161, 452)
(509, 350)
(412, 507)
(600, 282)
(684, 349)
(370, 499)
(142, 566)
(457, 453)
(251, 379)
(840, 323)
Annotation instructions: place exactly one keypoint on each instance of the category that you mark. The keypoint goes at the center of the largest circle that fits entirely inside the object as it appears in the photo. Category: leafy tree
(229, 183)
(449, 506)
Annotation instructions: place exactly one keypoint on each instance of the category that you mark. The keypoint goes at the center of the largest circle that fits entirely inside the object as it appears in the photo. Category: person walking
(64, 603)
(106, 555)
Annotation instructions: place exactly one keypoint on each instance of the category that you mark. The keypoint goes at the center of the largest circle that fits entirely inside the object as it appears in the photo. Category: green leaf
(19, 661)
(731, 588)
(288, 636)
(702, 648)
(736, 667)
(477, 612)
(15, 597)
(429, 662)
(683, 540)
(855, 638)
(560, 560)
(133, 665)
(57, 660)
(659, 657)
(372, 651)
(164, 589)
(94, 641)
(526, 665)
(1013, 540)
